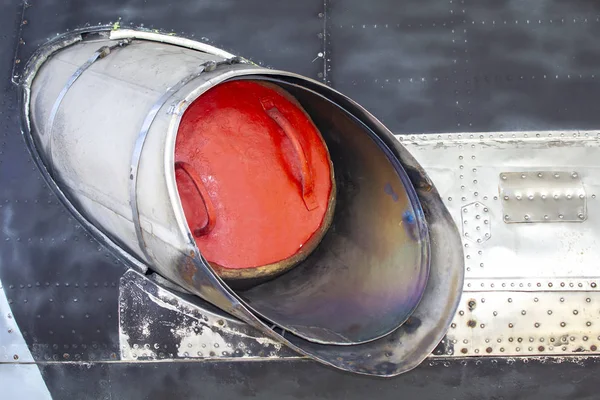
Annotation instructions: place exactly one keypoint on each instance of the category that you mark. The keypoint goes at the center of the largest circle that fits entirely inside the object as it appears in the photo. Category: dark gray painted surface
(421, 66)
(284, 380)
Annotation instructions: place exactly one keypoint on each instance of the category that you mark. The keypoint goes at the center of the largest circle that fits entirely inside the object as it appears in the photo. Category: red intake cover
(254, 177)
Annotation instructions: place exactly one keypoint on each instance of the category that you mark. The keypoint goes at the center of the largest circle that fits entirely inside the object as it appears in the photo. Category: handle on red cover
(308, 194)
(201, 190)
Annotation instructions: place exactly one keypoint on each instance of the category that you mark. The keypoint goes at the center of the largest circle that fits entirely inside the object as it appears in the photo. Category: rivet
(575, 312)
(506, 198)
(543, 197)
(556, 175)
(537, 324)
(549, 312)
(510, 325)
(561, 216)
(526, 217)
(523, 312)
(540, 175)
(506, 217)
(546, 217)
(485, 209)
(518, 197)
(574, 175)
(503, 177)
(562, 324)
(581, 196)
(569, 196)
(581, 216)
(530, 197)
(509, 300)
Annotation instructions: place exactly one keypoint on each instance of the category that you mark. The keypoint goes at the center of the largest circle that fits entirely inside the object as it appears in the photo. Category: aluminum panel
(465, 169)
(531, 289)
(526, 323)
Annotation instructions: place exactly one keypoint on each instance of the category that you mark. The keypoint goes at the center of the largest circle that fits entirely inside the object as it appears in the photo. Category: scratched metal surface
(423, 67)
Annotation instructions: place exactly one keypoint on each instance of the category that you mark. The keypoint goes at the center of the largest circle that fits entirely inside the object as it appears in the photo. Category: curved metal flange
(411, 343)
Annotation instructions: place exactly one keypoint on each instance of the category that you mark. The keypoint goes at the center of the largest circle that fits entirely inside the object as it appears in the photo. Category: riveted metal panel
(157, 324)
(526, 323)
(530, 288)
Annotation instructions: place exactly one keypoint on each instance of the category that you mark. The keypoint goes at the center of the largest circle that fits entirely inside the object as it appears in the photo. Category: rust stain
(187, 270)
(471, 304)
(472, 323)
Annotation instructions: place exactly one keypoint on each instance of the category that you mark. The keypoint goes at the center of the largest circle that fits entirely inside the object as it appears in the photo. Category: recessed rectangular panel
(542, 196)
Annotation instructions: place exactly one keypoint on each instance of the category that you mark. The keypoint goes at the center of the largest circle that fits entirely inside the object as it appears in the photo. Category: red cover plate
(253, 174)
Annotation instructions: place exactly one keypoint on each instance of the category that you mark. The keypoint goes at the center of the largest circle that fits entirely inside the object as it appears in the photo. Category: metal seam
(141, 140)
(99, 54)
(137, 153)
